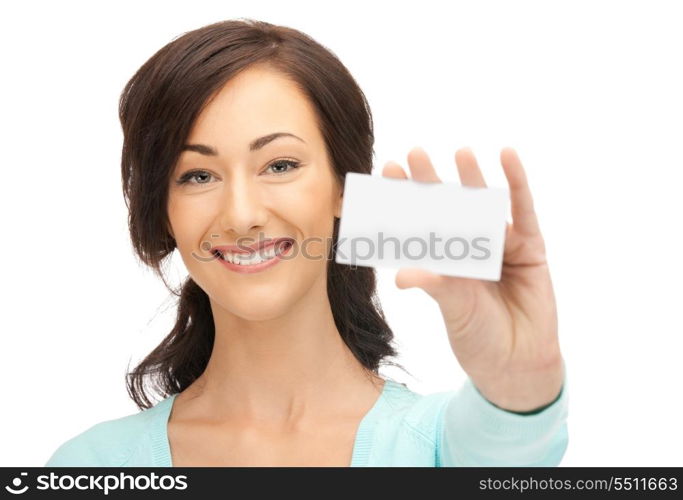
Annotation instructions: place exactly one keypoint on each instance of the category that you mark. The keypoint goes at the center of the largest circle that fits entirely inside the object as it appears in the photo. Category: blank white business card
(442, 227)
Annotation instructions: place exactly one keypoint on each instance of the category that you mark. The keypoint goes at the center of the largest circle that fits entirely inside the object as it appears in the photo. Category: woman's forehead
(253, 104)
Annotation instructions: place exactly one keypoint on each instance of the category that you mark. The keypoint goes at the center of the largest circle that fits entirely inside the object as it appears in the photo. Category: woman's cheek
(317, 224)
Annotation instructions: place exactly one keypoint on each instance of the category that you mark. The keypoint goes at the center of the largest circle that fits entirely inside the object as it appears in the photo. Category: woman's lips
(284, 247)
(247, 249)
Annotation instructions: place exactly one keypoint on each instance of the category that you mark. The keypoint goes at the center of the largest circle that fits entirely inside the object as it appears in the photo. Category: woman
(240, 134)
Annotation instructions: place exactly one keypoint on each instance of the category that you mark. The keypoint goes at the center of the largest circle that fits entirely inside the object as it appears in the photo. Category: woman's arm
(472, 431)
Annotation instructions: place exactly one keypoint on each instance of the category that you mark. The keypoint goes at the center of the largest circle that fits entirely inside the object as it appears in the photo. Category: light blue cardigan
(403, 428)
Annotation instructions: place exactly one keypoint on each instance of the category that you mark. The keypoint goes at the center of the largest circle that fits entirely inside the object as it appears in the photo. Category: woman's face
(246, 193)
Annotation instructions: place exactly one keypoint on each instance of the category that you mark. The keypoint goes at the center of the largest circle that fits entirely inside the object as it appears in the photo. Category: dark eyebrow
(256, 144)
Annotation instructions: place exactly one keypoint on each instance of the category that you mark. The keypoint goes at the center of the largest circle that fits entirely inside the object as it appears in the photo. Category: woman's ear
(338, 207)
(170, 230)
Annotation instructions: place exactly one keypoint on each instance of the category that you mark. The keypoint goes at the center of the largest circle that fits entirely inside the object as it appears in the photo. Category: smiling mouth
(257, 257)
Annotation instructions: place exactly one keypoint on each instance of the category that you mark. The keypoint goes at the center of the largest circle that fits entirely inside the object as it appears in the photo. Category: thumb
(410, 277)
(450, 291)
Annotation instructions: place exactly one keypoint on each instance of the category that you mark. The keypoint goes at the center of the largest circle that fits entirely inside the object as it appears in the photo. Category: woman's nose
(242, 208)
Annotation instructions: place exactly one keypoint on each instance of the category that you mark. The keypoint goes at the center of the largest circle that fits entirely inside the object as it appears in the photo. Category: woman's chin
(258, 307)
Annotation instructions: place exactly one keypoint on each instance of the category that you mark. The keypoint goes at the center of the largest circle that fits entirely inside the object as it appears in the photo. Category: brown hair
(157, 109)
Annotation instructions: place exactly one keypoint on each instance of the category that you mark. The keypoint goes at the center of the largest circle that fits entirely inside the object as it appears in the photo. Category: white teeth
(250, 259)
(269, 253)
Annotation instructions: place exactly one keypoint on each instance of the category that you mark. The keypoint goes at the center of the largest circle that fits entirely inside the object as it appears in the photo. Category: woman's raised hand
(503, 334)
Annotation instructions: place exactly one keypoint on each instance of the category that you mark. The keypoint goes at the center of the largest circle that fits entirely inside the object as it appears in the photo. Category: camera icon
(16, 483)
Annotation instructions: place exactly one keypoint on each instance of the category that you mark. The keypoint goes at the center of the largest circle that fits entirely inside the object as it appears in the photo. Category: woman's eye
(284, 164)
(278, 167)
(194, 174)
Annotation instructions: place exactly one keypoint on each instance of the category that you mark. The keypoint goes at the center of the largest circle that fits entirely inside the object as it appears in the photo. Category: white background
(589, 93)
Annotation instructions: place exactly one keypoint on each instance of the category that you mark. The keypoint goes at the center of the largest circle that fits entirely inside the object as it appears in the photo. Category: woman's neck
(283, 369)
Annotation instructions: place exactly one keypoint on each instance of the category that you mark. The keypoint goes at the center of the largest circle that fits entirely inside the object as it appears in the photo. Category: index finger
(524, 217)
